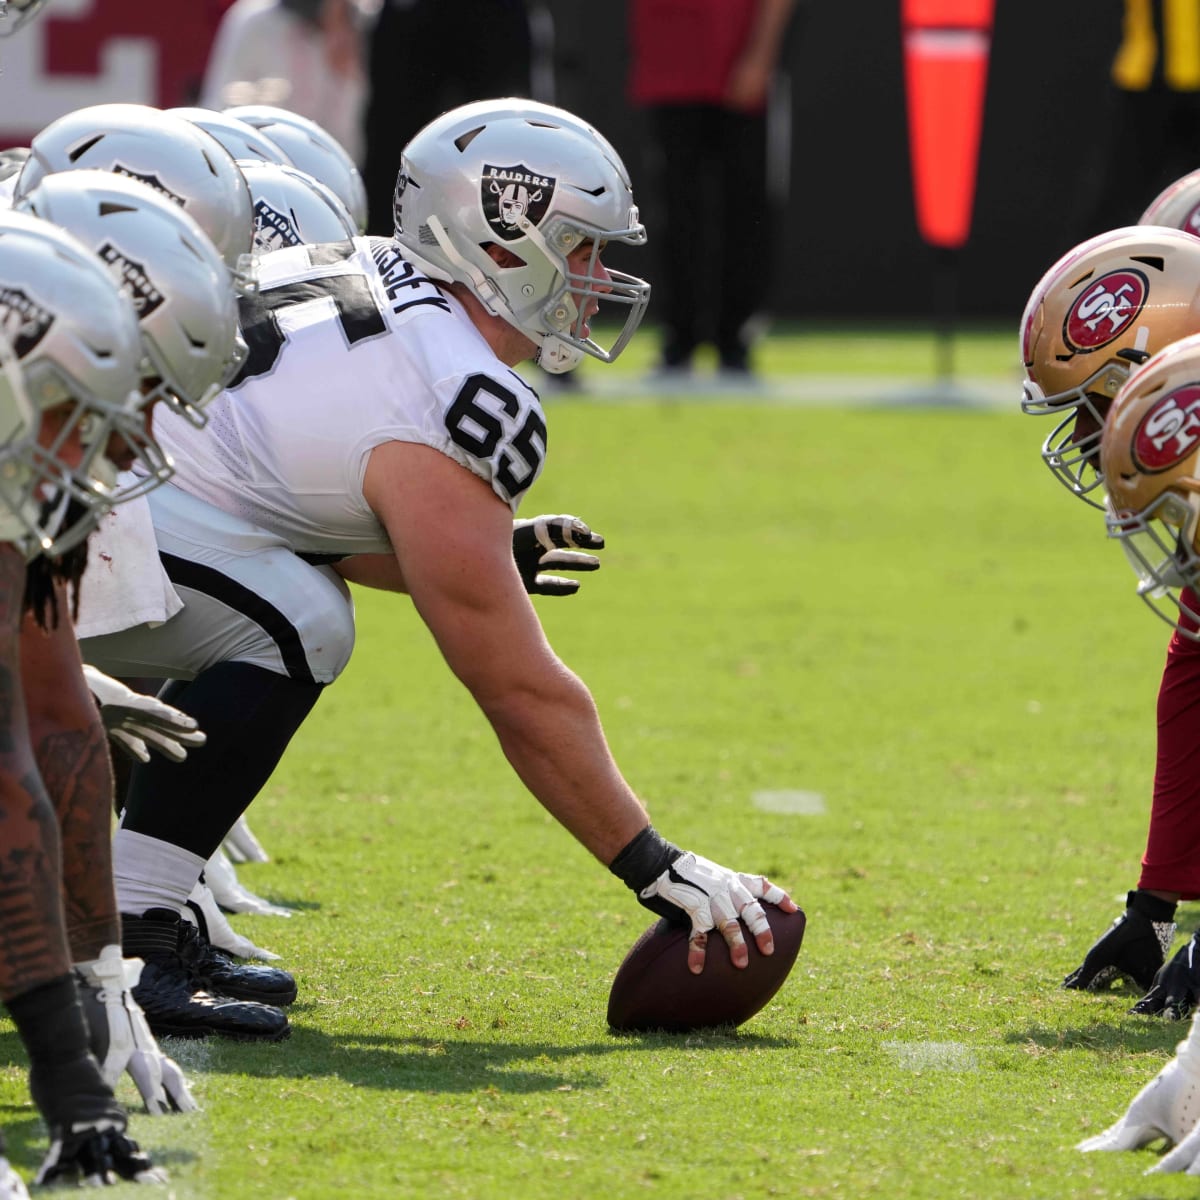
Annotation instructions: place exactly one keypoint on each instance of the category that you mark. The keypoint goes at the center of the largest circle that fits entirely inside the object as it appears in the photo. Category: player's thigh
(247, 598)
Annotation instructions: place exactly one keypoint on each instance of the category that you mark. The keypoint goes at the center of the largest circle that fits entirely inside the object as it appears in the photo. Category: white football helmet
(313, 149)
(291, 208)
(164, 262)
(74, 344)
(171, 155)
(539, 182)
(1096, 315)
(16, 13)
(239, 138)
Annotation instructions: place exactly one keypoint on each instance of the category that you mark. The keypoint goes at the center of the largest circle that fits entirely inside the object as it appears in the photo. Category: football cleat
(1134, 947)
(1175, 988)
(179, 990)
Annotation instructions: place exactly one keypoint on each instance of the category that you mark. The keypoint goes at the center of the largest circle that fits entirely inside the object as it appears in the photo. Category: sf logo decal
(1170, 430)
(1105, 308)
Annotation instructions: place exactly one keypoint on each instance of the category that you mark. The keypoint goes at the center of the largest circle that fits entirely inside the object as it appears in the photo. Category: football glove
(204, 912)
(1133, 947)
(240, 844)
(98, 1155)
(553, 542)
(1167, 1107)
(138, 723)
(120, 1037)
(1176, 986)
(696, 891)
(230, 893)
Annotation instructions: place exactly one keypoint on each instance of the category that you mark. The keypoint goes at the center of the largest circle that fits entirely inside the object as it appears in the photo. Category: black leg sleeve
(249, 715)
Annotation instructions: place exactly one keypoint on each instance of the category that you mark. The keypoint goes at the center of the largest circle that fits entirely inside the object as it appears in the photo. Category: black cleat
(175, 994)
(1176, 987)
(1134, 947)
(224, 973)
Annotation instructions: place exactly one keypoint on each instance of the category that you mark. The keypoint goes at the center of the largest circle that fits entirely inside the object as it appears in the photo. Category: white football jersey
(351, 346)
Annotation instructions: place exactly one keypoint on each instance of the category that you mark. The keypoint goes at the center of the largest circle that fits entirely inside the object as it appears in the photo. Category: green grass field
(896, 609)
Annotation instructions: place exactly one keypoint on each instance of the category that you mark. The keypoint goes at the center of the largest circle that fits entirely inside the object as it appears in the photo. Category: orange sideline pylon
(946, 45)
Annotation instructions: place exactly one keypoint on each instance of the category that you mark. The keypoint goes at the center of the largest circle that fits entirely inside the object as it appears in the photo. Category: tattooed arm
(72, 754)
(33, 945)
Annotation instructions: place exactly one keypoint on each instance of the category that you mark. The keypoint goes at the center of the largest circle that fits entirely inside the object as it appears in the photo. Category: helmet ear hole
(502, 256)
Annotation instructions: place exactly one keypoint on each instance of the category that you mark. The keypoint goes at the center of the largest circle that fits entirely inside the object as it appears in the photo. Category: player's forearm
(555, 743)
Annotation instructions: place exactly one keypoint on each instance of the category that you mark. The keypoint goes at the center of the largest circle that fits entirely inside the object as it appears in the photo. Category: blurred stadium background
(850, 249)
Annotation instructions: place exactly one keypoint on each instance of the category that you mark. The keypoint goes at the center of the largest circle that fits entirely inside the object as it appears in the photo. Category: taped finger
(755, 918)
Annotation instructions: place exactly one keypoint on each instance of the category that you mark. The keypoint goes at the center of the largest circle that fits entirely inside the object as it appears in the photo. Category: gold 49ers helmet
(1101, 310)
(1177, 205)
(1150, 460)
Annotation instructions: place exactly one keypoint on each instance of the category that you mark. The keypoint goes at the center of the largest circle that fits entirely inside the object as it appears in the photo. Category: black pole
(946, 310)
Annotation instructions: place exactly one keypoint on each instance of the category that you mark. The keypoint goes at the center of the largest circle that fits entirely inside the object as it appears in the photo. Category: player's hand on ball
(138, 723)
(698, 891)
(545, 543)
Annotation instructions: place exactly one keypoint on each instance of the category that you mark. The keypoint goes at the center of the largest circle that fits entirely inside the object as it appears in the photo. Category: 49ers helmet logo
(512, 194)
(1170, 430)
(1105, 309)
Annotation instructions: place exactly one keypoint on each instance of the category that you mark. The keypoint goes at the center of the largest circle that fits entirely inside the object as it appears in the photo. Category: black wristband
(644, 859)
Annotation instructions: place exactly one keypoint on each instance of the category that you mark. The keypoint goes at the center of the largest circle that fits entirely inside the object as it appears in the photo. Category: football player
(1093, 319)
(380, 399)
(1150, 456)
(71, 341)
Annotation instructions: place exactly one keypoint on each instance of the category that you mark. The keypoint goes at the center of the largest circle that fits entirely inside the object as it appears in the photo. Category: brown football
(654, 989)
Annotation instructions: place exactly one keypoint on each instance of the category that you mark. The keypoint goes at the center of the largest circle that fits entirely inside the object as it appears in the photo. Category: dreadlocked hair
(44, 574)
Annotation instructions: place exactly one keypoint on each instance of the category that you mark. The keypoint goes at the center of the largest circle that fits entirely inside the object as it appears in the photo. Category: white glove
(121, 1038)
(12, 1186)
(231, 895)
(240, 844)
(713, 897)
(139, 723)
(546, 542)
(217, 929)
(1167, 1107)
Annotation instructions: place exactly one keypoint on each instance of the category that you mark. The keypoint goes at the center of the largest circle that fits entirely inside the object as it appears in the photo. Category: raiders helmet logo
(133, 279)
(511, 195)
(23, 321)
(1170, 430)
(273, 230)
(151, 181)
(1105, 309)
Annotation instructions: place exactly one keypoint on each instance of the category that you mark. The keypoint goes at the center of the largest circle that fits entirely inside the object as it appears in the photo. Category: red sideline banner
(80, 52)
(946, 45)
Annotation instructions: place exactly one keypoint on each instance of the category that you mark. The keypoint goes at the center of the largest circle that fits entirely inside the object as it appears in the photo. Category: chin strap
(554, 355)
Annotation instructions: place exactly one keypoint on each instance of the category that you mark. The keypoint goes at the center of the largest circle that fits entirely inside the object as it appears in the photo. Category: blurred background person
(1152, 126)
(303, 55)
(703, 72)
(428, 56)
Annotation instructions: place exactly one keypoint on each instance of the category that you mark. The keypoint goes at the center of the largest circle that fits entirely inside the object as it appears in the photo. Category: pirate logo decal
(134, 281)
(23, 321)
(273, 230)
(150, 181)
(511, 195)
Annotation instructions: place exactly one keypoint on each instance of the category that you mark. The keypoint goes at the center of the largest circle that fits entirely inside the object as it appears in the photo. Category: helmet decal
(512, 193)
(134, 280)
(1170, 430)
(1100, 315)
(150, 180)
(273, 230)
(23, 321)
